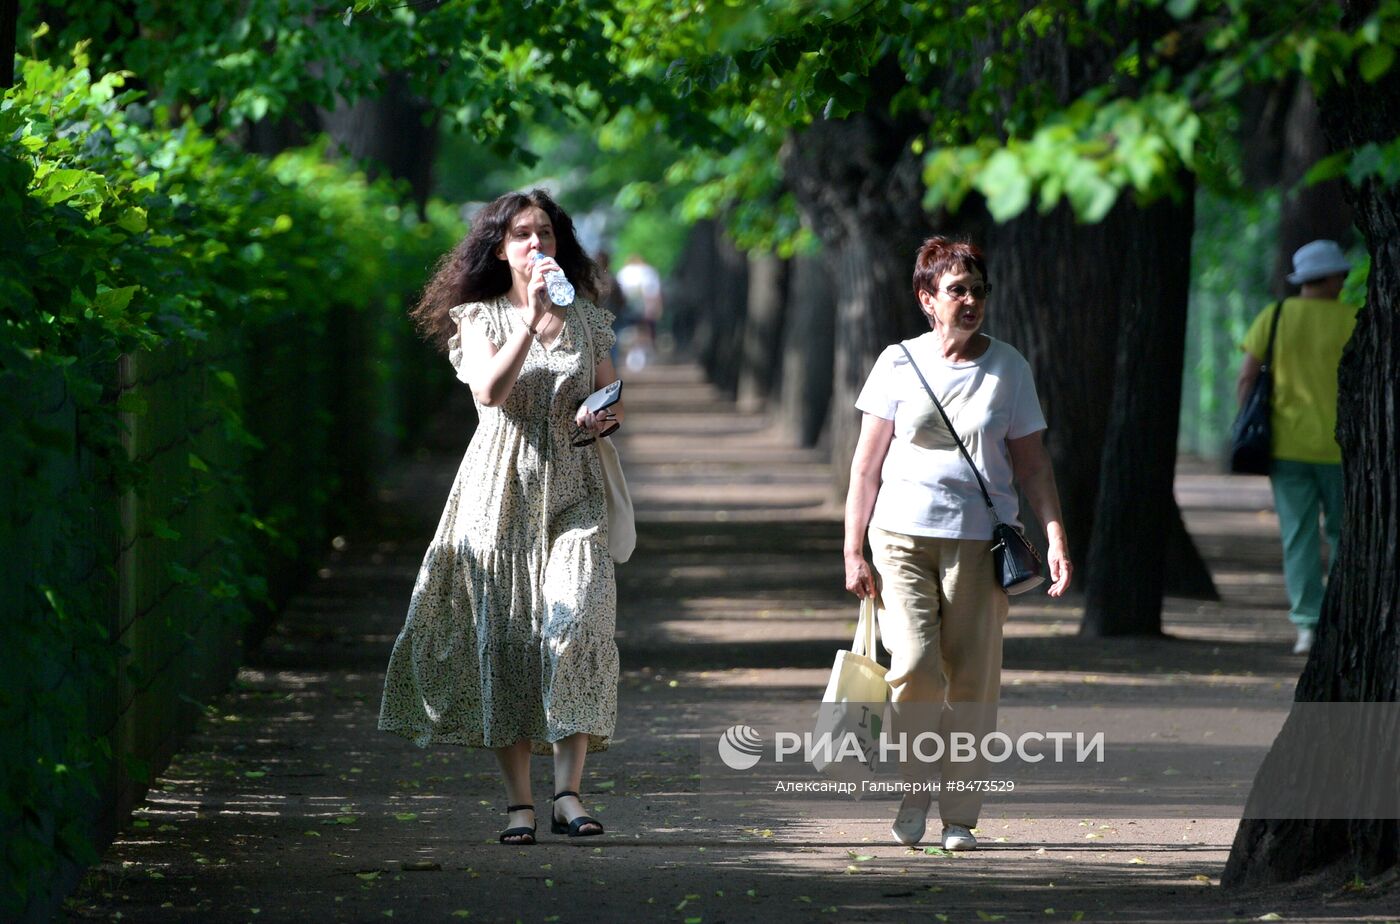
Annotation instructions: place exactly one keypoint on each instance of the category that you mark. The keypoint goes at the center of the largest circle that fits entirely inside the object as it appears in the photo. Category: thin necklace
(539, 332)
(543, 326)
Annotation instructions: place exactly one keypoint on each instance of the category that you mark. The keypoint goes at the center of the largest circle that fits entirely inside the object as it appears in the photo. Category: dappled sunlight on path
(287, 804)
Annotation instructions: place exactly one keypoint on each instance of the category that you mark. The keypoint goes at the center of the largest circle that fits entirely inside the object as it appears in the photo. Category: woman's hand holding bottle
(540, 304)
(561, 291)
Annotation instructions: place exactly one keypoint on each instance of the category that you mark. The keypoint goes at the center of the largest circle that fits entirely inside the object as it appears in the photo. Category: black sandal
(521, 832)
(572, 828)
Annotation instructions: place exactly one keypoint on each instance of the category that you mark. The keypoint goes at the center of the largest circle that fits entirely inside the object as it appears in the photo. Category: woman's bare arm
(1036, 477)
(1249, 371)
(871, 449)
(491, 370)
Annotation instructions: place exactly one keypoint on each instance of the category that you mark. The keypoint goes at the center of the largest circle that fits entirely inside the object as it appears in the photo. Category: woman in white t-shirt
(929, 528)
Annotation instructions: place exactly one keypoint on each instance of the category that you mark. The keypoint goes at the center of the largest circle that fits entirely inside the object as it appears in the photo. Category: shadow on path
(288, 805)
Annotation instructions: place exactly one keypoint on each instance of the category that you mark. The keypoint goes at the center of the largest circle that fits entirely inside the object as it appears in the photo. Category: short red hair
(940, 255)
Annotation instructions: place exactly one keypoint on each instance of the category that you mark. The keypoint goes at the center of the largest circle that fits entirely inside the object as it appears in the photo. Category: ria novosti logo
(740, 747)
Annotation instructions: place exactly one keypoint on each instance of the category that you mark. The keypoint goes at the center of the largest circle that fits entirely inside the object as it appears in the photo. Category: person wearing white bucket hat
(1319, 260)
(1313, 327)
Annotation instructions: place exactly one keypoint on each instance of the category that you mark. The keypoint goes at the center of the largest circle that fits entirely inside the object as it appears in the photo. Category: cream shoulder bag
(622, 520)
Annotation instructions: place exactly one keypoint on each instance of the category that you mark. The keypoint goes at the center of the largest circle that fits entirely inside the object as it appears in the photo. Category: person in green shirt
(1313, 327)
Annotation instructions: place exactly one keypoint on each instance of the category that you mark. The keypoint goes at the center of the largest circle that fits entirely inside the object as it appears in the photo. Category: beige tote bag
(622, 519)
(846, 740)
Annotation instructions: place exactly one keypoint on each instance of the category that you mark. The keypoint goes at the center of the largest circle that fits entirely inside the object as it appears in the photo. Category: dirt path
(288, 805)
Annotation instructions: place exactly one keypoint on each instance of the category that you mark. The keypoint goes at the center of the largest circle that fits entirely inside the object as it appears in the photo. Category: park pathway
(288, 805)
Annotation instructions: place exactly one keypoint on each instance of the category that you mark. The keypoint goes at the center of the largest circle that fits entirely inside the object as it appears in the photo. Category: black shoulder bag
(1252, 436)
(1016, 562)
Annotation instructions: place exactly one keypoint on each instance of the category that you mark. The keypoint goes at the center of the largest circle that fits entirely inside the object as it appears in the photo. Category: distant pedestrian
(509, 641)
(1313, 327)
(929, 527)
(641, 287)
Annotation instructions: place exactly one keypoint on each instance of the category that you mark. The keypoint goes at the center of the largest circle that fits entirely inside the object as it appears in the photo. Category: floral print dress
(510, 630)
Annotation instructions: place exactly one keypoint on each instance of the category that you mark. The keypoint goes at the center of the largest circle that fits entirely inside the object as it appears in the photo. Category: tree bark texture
(1069, 289)
(390, 134)
(1057, 295)
(859, 187)
(707, 302)
(763, 330)
(1061, 289)
(1126, 566)
(1309, 212)
(1356, 657)
(689, 286)
(723, 318)
(809, 344)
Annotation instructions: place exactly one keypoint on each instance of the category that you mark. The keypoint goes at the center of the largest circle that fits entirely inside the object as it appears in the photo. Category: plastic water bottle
(560, 289)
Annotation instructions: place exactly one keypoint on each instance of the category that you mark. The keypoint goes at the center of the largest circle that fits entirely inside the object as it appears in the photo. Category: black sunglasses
(960, 291)
(583, 438)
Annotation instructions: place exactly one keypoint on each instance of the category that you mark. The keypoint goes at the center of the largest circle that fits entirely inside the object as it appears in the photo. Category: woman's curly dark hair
(471, 271)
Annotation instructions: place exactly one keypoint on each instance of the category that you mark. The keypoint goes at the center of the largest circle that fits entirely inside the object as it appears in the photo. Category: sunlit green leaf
(1375, 61)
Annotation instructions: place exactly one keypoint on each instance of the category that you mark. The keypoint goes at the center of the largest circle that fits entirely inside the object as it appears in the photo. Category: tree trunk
(1057, 283)
(859, 186)
(390, 134)
(1126, 565)
(809, 345)
(1062, 288)
(707, 301)
(722, 303)
(272, 136)
(1309, 212)
(1187, 573)
(1356, 658)
(763, 330)
(9, 25)
(689, 287)
(867, 272)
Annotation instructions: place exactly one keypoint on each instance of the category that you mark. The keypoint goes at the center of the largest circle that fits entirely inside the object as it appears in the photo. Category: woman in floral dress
(508, 643)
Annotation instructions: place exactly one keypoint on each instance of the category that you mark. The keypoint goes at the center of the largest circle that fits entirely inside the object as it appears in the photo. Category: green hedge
(202, 354)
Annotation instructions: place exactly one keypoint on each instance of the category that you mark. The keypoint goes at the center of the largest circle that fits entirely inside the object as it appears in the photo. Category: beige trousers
(941, 620)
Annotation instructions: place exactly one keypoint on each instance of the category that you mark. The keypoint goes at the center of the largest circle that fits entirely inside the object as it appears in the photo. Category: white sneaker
(1304, 643)
(957, 837)
(909, 824)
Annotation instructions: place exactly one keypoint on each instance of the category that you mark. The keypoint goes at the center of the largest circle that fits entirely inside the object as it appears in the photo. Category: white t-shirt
(927, 488)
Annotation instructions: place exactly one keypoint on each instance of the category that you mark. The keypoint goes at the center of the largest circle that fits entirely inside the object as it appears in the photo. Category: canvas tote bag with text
(852, 711)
